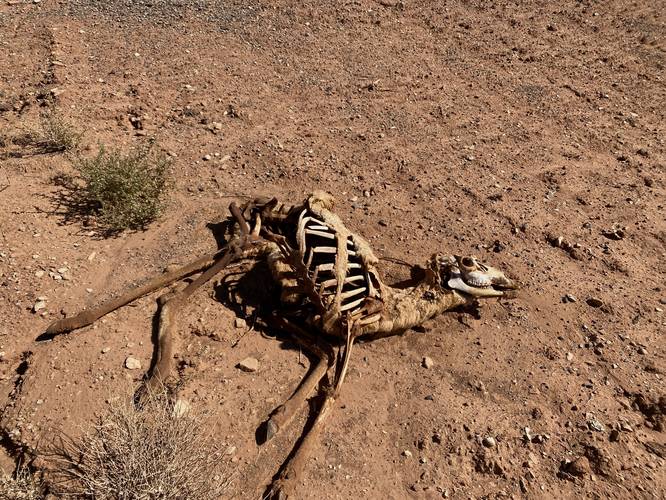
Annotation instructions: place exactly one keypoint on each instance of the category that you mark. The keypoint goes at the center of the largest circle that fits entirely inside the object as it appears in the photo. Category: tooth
(459, 284)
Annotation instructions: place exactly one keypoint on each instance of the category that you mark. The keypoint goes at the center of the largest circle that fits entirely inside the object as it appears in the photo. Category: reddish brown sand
(464, 127)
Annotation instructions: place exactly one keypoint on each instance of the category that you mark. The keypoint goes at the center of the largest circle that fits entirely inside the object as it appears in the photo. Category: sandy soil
(491, 128)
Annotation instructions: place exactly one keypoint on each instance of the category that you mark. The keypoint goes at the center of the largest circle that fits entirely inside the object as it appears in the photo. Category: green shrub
(126, 191)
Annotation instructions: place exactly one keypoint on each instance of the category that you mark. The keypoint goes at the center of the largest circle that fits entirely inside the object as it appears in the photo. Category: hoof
(271, 430)
(277, 492)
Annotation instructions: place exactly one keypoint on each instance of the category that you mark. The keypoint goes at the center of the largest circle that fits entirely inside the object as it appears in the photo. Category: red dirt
(474, 127)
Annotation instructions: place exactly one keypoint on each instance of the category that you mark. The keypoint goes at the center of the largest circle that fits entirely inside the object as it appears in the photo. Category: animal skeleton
(331, 294)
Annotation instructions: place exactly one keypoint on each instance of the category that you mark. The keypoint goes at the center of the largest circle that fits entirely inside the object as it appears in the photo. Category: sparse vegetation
(22, 485)
(124, 191)
(159, 451)
(55, 134)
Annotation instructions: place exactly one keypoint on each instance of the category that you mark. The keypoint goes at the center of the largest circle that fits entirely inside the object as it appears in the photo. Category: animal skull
(468, 275)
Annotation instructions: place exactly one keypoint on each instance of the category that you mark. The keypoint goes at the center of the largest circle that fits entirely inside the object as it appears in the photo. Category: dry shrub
(156, 452)
(56, 135)
(20, 486)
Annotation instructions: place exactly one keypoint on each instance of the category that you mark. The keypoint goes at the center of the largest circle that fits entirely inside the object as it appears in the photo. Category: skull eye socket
(467, 262)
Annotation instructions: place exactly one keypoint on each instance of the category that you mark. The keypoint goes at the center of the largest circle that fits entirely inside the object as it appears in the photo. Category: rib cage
(320, 261)
(339, 277)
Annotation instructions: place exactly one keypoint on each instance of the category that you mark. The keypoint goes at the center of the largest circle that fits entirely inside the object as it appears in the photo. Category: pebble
(570, 356)
(626, 427)
(407, 454)
(570, 298)
(132, 363)
(105, 350)
(39, 305)
(594, 302)
(427, 362)
(489, 442)
(642, 350)
(249, 365)
(595, 425)
(207, 157)
(180, 408)
(39, 273)
(240, 323)
(578, 468)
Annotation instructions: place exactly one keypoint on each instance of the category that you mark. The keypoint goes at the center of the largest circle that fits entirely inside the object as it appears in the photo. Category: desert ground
(530, 134)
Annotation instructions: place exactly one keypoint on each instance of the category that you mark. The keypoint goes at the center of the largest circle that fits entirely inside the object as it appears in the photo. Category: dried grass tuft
(158, 451)
(22, 485)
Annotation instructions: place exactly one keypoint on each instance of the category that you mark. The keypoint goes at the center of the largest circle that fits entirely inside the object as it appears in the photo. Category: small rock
(626, 427)
(427, 362)
(39, 274)
(594, 302)
(407, 454)
(207, 158)
(642, 350)
(570, 356)
(595, 425)
(231, 450)
(132, 363)
(614, 435)
(616, 233)
(180, 408)
(579, 467)
(105, 350)
(249, 365)
(39, 305)
(240, 323)
(523, 485)
(643, 152)
(527, 434)
(489, 442)
(570, 298)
